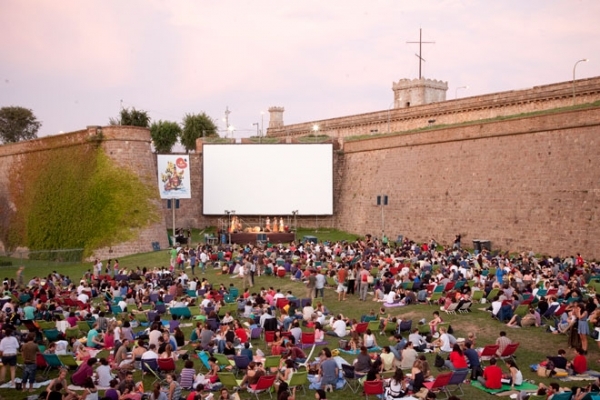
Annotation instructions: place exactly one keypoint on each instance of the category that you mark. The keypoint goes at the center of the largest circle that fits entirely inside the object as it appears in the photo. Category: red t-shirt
(493, 377)
(458, 361)
(580, 364)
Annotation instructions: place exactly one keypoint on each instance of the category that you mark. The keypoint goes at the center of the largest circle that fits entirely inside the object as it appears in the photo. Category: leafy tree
(17, 123)
(164, 135)
(131, 117)
(196, 126)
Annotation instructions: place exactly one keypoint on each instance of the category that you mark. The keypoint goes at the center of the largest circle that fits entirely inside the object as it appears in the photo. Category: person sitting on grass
(514, 376)
(579, 364)
(492, 376)
(433, 324)
(457, 360)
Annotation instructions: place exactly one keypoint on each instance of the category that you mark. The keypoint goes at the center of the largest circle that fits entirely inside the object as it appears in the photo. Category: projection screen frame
(295, 172)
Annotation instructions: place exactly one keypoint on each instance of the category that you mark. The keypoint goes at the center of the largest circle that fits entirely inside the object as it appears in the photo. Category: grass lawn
(535, 343)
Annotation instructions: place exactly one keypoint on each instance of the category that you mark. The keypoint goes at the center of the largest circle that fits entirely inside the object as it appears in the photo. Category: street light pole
(295, 214)
(256, 124)
(456, 90)
(230, 128)
(574, 68)
(228, 212)
(262, 123)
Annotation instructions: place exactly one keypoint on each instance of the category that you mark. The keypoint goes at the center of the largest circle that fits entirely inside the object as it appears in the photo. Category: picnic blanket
(81, 388)
(393, 305)
(588, 376)
(36, 385)
(370, 350)
(526, 386)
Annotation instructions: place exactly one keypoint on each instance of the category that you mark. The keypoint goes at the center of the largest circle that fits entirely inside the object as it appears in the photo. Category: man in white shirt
(150, 354)
(339, 328)
(83, 297)
(123, 304)
(153, 337)
(203, 260)
(265, 317)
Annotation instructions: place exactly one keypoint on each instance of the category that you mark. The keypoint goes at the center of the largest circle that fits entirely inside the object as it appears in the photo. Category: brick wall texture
(525, 184)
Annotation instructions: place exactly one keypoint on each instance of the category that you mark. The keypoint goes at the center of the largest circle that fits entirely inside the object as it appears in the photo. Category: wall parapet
(484, 130)
(459, 110)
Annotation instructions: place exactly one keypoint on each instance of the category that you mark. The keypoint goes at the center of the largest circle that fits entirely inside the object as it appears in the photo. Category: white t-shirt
(153, 337)
(104, 375)
(149, 355)
(445, 343)
(9, 346)
(83, 297)
(339, 327)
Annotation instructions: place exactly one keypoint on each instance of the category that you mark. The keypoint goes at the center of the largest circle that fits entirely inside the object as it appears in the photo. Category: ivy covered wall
(76, 197)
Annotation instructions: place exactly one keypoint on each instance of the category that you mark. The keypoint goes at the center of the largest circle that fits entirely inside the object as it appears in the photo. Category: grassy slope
(535, 343)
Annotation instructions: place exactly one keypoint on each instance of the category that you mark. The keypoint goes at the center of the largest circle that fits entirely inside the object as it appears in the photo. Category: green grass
(535, 343)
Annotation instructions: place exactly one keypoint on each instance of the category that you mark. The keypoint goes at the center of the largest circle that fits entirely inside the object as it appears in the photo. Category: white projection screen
(268, 179)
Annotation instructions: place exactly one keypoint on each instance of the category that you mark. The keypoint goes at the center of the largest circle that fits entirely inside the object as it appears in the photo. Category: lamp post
(256, 124)
(574, 68)
(262, 123)
(295, 214)
(230, 128)
(315, 129)
(456, 90)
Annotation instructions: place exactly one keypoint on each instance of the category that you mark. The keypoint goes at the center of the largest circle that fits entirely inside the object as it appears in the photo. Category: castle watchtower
(276, 117)
(416, 92)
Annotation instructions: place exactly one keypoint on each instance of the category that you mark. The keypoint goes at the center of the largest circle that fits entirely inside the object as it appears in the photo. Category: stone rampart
(525, 184)
(476, 108)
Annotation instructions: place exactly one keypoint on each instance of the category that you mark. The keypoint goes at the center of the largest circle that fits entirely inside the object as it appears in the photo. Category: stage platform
(253, 238)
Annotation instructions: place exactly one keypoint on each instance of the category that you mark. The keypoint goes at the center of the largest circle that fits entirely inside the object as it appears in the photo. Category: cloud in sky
(73, 62)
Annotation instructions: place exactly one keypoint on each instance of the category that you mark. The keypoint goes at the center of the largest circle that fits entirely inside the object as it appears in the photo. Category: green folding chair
(299, 378)
(272, 362)
(223, 361)
(228, 380)
(68, 361)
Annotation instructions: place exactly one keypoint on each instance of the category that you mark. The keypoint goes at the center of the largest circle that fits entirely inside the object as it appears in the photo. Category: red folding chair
(509, 351)
(488, 352)
(282, 302)
(166, 364)
(307, 338)
(361, 328)
(373, 388)
(440, 383)
(269, 336)
(265, 383)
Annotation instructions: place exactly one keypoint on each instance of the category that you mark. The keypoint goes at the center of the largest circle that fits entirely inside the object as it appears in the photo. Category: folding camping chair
(264, 384)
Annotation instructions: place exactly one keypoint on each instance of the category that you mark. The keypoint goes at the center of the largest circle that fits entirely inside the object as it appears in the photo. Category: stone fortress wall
(128, 146)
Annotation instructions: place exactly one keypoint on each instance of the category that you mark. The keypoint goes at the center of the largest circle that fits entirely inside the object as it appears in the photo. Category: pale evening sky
(72, 62)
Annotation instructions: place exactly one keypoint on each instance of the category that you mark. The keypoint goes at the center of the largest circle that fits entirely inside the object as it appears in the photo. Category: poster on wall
(174, 176)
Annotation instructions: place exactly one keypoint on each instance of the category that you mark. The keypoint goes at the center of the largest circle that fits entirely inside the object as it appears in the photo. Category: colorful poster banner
(174, 176)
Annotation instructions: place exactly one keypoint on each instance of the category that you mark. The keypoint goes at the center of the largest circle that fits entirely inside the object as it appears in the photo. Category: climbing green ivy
(77, 197)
